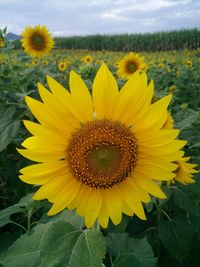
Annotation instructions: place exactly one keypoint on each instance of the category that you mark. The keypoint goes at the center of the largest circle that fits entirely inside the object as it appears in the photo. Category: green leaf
(25, 251)
(19, 207)
(64, 245)
(128, 260)
(125, 248)
(188, 121)
(9, 126)
(6, 213)
(185, 201)
(176, 236)
(69, 216)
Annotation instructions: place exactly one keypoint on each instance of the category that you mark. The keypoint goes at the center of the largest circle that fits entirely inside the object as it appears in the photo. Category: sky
(85, 17)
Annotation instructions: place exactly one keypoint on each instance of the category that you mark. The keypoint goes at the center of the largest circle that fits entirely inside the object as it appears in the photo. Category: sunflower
(185, 170)
(62, 66)
(37, 41)
(87, 59)
(188, 63)
(45, 62)
(129, 64)
(102, 154)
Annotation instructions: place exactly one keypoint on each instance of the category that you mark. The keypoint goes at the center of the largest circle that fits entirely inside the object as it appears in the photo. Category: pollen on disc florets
(102, 153)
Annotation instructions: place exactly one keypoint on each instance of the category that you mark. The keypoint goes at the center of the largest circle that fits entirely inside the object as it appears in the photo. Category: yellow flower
(62, 66)
(188, 63)
(185, 170)
(129, 64)
(87, 59)
(37, 41)
(45, 62)
(102, 154)
(1, 42)
(172, 89)
(34, 62)
(161, 65)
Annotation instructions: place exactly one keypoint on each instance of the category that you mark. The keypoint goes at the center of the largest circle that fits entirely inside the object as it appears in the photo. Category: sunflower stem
(14, 78)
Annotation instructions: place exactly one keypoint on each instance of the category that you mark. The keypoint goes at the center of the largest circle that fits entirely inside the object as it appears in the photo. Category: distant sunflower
(188, 63)
(62, 66)
(37, 41)
(129, 64)
(87, 59)
(45, 62)
(102, 154)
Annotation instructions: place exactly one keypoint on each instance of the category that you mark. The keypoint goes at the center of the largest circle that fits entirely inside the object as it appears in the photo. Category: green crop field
(170, 235)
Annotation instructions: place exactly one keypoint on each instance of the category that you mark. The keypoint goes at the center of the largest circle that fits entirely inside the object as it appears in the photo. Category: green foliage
(64, 245)
(128, 251)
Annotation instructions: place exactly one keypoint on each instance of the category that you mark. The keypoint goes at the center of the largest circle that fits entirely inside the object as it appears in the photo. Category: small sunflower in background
(188, 63)
(37, 41)
(129, 64)
(172, 89)
(62, 66)
(104, 154)
(87, 59)
(161, 65)
(45, 62)
(34, 62)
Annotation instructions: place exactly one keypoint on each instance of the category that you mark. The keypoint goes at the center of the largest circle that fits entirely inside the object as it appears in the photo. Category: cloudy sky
(83, 17)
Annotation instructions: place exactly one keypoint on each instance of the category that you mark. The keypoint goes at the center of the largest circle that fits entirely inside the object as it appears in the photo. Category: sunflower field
(99, 156)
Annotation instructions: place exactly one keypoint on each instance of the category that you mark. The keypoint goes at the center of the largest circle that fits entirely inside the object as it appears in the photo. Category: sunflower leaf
(177, 236)
(25, 250)
(64, 245)
(129, 250)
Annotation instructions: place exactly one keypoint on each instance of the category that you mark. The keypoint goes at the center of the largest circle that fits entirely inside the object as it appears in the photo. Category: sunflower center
(102, 153)
(131, 67)
(37, 41)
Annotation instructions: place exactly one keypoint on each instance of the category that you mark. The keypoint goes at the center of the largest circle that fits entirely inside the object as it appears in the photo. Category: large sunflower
(102, 154)
(37, 41)
(129, 64)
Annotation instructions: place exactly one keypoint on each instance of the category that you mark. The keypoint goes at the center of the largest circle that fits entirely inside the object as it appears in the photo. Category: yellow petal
(41, 169)
(93, 207)
(105, 92)
(62, 199)
(132, 200)
(41, 156)
(155, 116)
(113, 204)
(148, 185)
(52, 187)
(55, 106)
(44, 132)
(36, 143)
(64, 97)
(81, 96)
(103, 216)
